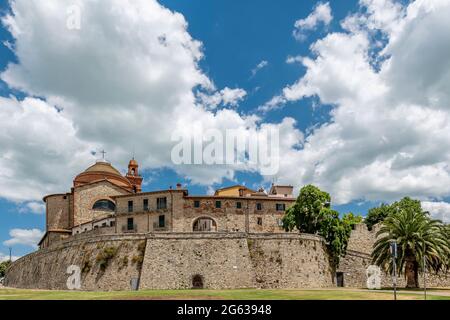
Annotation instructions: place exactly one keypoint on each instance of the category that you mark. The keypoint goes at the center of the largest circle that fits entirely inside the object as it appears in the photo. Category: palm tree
(417, 235)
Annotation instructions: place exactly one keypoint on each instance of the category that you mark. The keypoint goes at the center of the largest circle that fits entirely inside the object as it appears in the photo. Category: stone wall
(354, 266)
(235, 260)
(358, 259)
(171, 260)
(85, 197)
(57, 210)
(46, 268)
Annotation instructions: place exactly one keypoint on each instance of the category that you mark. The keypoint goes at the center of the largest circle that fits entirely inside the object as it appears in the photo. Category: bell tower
(133, 175)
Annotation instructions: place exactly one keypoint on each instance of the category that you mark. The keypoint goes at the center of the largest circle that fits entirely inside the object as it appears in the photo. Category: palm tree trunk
(411, 272)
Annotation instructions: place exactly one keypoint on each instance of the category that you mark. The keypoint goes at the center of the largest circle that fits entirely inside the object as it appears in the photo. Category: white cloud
(26, 237)
(321, 14)
(40, 148)
(296, 59)
(127, 79)
(388, 133)
(5, 257)
(259, 66)
(33, 207)
(438, 210)
(226, 97)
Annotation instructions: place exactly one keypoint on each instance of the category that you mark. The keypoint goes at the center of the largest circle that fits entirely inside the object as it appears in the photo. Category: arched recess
(104, 205)
(204, 224)
(197, 282)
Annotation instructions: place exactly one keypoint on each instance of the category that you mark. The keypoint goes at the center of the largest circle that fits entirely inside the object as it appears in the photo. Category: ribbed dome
(103, 166)
(102, 170)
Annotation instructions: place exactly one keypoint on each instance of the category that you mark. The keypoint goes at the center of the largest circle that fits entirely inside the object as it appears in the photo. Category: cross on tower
(103, 152)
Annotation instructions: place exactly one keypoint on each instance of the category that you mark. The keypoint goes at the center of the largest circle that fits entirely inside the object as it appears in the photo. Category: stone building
(121, 238)
(103, 198)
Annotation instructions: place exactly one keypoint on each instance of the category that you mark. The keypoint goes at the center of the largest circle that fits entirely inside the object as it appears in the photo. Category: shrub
(105, 256)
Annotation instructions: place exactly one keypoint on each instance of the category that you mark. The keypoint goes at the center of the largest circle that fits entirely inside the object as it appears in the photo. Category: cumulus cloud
(226, 97)
(321, 14)
(33, 207)
(5, 257)
(388, 134)
(259, 66)
(126, 79)
(438, 210)
(26, 237)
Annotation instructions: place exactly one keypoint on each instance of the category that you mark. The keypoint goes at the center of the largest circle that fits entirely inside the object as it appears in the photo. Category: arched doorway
(197, 282)
(205, 224)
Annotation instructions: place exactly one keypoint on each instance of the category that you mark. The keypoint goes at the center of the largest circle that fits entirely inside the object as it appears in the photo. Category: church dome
(103, 166)
(102, 170)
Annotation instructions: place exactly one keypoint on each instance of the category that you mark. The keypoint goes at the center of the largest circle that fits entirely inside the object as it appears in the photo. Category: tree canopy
(376, 215)
(417, 236)
(3, 266)
(312, 214)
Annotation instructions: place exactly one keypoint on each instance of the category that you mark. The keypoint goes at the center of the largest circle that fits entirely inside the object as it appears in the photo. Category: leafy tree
(311, 213)
(307, 213)
(376, 215)
(3, 266)
(417, 235)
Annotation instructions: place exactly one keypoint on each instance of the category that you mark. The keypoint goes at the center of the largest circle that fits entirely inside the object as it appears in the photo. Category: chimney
(178, 186)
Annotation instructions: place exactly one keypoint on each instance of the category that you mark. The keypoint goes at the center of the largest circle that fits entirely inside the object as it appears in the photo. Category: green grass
(244, 294)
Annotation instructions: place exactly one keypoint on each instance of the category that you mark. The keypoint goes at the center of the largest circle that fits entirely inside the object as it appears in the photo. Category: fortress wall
(170, 260)
(357, 260)
(46, 268)
(354, 266)
(290, 261)
(235, 260)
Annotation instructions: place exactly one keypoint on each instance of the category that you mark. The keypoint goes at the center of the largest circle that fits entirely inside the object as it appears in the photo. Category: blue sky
(331, 150)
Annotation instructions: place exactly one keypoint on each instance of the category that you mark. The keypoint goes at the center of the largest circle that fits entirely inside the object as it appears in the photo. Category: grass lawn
(244, 294)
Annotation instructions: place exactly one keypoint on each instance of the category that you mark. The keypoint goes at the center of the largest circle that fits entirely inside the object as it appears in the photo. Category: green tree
(311, 213)
(3, 266)
(417, 235)
(307, 213)
(376, 215)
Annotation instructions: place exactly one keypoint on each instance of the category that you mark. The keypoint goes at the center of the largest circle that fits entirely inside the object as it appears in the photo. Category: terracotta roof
(103, 166)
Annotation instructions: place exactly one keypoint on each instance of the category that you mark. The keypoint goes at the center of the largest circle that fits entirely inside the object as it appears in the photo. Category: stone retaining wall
(171, 260)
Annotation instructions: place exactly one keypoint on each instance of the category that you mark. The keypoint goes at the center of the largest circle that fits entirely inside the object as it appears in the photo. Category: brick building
(103, 198)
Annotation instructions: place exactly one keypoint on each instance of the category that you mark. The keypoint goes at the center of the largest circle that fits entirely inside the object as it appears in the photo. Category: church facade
(102, 198)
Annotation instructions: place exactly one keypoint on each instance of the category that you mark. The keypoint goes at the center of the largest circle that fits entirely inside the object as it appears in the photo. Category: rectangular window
(162, 221)
(130, 206)
(196, 204)
(281, 207)
(259, 221)
(130, 224)
(161, 203)
(112, 223)
(238, 205)
(259, 206)
(145, 204)
(218, 204)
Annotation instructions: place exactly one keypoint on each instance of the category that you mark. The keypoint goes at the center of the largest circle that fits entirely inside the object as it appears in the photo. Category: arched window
(106, 205)
(205, 224)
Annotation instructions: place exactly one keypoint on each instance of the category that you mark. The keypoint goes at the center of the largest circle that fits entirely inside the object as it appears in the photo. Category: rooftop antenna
(133, 152)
